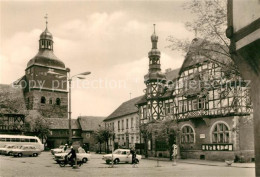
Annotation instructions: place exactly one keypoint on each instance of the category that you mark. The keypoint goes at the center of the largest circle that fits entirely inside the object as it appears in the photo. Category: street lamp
(79, 76)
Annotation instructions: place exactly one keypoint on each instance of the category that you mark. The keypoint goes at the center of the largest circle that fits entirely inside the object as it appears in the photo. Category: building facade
(124, 122)
(208, 103)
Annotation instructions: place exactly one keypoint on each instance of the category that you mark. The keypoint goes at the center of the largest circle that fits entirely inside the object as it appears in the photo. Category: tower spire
(46, 18)
(154, 28)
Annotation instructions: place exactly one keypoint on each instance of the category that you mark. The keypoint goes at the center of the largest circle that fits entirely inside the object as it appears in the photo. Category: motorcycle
(67, 161)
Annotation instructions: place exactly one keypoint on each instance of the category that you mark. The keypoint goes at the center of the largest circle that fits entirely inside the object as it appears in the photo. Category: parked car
(81, 155)
(26, 150)
(9, 149)
(5, 147)
(58, 150)
(121, 155)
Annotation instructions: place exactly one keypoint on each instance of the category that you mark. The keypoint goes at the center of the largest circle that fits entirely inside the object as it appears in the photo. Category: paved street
(44, 165)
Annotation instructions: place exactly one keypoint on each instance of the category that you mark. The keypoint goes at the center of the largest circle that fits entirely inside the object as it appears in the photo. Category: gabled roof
(12, 100)
(125, 108)
(172, 74)
(142, 100)
(62, 123)
(90, 123)
(206, 50)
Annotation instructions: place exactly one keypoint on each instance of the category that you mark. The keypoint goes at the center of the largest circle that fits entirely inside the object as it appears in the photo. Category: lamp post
(79, 76)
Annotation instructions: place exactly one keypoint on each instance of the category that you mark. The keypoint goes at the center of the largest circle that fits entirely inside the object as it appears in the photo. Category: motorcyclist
(73, 154)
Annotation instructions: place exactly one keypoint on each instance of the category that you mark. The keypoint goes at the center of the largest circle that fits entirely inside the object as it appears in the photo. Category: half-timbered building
(208, 102)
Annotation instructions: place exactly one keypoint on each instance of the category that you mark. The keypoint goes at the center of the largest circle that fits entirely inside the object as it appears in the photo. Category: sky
(111, 39)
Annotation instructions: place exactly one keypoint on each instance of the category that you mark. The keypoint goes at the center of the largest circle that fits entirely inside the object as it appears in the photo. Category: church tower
(154, 81)
(46, 81)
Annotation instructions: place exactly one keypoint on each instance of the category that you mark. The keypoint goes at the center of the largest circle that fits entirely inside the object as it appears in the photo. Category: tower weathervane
(46, 17)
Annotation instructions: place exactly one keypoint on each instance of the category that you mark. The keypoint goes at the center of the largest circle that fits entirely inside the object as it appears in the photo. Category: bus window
(17, 139)
(12, 139)
(33, 140)
(2, 139)
(7, 139)
(25, 140)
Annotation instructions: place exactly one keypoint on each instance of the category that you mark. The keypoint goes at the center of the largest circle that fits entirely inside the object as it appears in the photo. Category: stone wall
(50, 110)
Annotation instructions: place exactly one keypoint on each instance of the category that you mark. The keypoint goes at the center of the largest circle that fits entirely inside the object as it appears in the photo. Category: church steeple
(46, 39)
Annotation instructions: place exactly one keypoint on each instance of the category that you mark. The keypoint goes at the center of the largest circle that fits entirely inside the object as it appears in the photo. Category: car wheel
(35, 154)
(84, 160)
(108, 161)
(116, 161)
(9, 153)
(20, 155)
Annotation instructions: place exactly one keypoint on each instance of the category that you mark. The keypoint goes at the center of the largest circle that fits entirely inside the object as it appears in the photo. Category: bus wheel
(35, 155)
(20, 155)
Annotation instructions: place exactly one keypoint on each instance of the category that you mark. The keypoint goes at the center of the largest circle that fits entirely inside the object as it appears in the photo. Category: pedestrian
(132, 151)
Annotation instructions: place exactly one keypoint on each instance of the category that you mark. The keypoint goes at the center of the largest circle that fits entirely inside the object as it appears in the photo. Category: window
(180, 106)
(195, 104)
(187, 135)
(118, 126)
(167, 108)
(201, 103)
(132, 122)
(58, 101)
(144, 112)
(50, 101)
(126, 123)
(43, 100)
(220, 133)
(122, 124)
(33, 140)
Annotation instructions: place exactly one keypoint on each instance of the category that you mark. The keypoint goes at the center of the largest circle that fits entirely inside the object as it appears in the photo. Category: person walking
(132, 151)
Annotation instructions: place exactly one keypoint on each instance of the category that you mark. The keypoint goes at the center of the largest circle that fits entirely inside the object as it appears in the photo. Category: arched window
(220, 133)
(187, 134)
(43, 100)
(50, 101)
(58, 101)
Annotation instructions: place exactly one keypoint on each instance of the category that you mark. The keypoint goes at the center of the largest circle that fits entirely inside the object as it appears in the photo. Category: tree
(99, 138)
(210, 23)
(103, 134)
(162, 131)
(37, 124)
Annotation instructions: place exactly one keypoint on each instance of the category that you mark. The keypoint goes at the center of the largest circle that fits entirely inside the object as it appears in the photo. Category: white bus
(21, 140)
